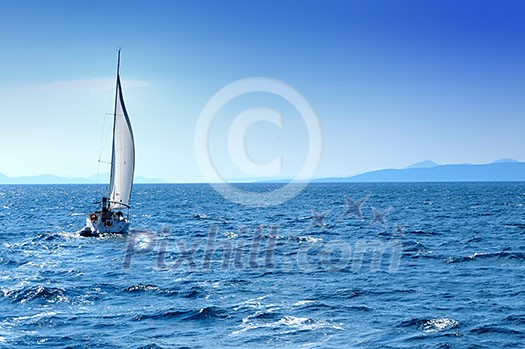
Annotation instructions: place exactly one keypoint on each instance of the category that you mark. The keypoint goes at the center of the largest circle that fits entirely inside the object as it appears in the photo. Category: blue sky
(392, 82)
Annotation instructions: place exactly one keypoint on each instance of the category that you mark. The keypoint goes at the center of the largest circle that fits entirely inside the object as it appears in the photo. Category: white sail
(123, 155)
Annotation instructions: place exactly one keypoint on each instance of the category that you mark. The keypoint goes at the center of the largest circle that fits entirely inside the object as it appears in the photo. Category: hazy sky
(392, 83)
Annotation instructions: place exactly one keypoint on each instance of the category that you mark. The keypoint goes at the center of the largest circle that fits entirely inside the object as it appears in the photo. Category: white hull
(112, 224)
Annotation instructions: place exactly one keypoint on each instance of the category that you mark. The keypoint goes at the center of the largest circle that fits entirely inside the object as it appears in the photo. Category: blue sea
(401, 265)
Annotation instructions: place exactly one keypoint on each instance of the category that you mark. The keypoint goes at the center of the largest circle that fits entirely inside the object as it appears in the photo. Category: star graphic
(400, 230)
(354, 206)
(378, 216)
(318, 218)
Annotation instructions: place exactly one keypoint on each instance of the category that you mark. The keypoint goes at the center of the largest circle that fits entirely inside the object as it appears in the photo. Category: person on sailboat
(120, 216)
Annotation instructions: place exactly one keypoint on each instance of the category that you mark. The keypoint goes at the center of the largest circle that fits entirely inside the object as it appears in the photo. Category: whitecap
(439, 324)
(309, 239)
(35, 316)
(231, 235)
(301, 303)
(288, 324)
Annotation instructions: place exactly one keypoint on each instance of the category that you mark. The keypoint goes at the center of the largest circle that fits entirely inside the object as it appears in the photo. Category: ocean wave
(263, 315)
(420, 232)
(304, 302)
(287, 324)
(47, 236)
(253, 303)
(103, 288)
(8, 262)
(349, 294)
(415, 249)
(165, 315)
(510, 255)
(439, 325)
(231, 235)
(150, 346)
(414, 246)
(201, 216)
(432, 325)
(208, 313)
(146, 288)
(203, 314)
(518, 319)
(495, 329)
(37, 316)
(194, 292)
(307, 239)
(358, 308)
(35, 293)
(516, 225)
(141, 287)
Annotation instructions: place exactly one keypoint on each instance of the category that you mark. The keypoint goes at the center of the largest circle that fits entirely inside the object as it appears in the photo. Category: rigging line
(103, 138)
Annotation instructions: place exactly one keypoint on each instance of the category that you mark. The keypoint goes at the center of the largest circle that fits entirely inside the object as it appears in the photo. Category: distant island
(503, 170)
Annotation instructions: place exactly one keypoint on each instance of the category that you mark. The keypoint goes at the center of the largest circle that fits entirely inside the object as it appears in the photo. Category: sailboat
(110, 219)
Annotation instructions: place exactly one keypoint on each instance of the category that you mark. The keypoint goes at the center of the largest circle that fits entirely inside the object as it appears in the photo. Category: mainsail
(123, 154)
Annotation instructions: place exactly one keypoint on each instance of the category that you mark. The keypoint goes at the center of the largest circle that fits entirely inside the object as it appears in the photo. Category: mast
(111, 179)
(123, 152)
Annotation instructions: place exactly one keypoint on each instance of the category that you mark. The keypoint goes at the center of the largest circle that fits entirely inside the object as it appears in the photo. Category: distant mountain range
(503, 170)
(428, 171)
(52, 179)
(423, 164)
